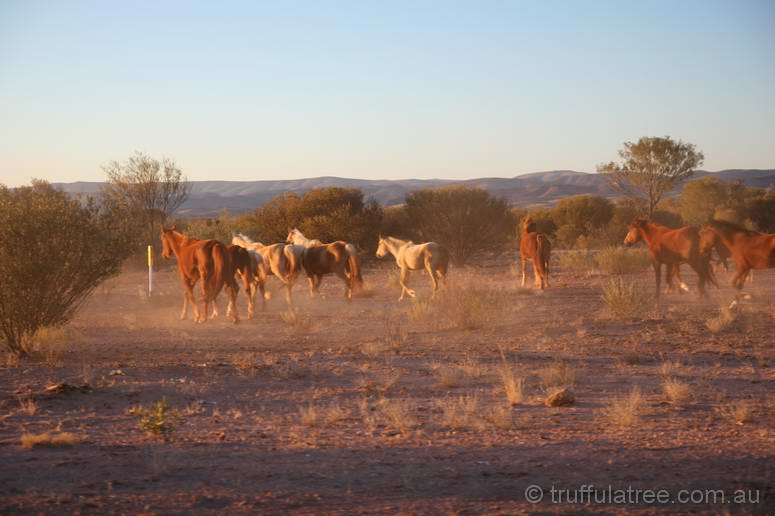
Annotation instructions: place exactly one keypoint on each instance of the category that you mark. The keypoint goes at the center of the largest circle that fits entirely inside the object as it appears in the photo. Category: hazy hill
(210, 197)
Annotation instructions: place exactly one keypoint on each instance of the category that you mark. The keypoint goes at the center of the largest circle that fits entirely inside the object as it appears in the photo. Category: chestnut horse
(534, 246)
(208, 260)
(409, 256)
(338, 258)
(748, 249)
(672, 247)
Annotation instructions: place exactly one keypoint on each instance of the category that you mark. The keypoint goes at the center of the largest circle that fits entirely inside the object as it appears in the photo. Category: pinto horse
(672, 247)
(208, 260)
(534, 246)
(409, 256)
(281, 260)
(748, 249)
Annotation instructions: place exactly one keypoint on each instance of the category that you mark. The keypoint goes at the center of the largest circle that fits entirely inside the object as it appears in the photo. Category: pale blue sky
(258, 90)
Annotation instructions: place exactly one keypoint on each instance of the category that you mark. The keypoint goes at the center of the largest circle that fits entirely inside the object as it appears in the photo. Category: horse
(296, 237)
(208, 260)
(672, 247)
(409, 256)
(534, 246)
(281, 260)
(748, 249)
(316, 262)
(245, 266)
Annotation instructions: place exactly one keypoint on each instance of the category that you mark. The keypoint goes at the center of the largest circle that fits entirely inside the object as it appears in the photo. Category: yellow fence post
(150, 270)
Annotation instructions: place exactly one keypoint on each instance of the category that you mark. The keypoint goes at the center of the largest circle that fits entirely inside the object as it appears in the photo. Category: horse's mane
(730, 227)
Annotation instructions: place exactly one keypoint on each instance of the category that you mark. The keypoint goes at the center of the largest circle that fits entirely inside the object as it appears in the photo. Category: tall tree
(651, 168)
(149, 189)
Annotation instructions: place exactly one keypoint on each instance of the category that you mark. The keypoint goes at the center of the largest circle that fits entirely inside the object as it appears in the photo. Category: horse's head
(528, 224)
(381, 247)
(291, 236)
(634, 231)
(166, 246)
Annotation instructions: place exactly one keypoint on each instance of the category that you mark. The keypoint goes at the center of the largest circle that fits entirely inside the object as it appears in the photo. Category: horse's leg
(434, 283)
(538, 279)
(203, 276)
(546, 274)
(233, 289)
(658, 276)
(404, 288)
(188, 296)
(523, 264)
(348, 293)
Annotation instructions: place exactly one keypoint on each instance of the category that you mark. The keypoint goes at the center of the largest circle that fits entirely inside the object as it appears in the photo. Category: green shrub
(54, 251)
(159, 419)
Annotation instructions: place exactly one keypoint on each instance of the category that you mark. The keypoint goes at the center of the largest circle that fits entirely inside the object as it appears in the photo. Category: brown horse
(208, 260)
(748, 249)
(672, 247)
(534, 246)
(338, 258)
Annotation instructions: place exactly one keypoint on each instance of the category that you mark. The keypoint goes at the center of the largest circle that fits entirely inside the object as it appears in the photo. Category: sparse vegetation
(619, 260)
(722, 321)
(625, 411)
(460, 413)
(737, 411)
(159, 419)
(677, 392)
(398, 414)
(49, 440)
(559, 374)
(513, 387)
(577, 261)
(626, 299)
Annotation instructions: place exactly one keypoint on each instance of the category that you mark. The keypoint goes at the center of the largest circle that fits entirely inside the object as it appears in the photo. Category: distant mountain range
(208, 198)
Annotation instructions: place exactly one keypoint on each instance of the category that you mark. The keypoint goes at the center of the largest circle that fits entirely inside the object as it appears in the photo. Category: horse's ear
(174, 227)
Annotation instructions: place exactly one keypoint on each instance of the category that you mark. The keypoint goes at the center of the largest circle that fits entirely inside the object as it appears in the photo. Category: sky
(379, 90)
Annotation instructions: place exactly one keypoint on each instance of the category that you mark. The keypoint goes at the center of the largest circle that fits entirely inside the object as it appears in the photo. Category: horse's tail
(354, 265)
(543, 252)
(220, 271)
(293, 263)
(443, 264)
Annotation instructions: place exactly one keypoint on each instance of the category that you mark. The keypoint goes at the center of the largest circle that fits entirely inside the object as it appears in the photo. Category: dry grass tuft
(625, 411)
(465, 306)
(398, 414)
(49, 440)
(245, 363)
(335, 413)
(513, 387)
(447, 376)
(669, 368)
(461, 413)
(738, 411)
(624, 300)
(722, 321)
(677, 392)
(28, 406)
(559, 374)
(501, 417)
(309, 415)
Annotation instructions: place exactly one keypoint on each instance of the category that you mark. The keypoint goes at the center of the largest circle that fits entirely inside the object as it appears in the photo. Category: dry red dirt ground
(376, 406)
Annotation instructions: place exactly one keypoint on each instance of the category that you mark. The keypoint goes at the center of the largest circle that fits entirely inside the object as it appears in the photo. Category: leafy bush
(327, 214)
(55, 251)
(619, 260)
(464, 220)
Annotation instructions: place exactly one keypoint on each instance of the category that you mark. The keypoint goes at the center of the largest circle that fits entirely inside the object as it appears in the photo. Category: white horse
(296, 237)
(409, 256)
(284, 261)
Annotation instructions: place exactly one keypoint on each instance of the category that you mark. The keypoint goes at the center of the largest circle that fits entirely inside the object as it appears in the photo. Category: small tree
(651, 168)
(464, 220)
(702, 199)
(55, 250)
(761, 211)
(579, 216)
(148, 189)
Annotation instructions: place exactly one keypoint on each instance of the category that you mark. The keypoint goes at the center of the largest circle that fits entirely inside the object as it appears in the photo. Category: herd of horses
(217, 266)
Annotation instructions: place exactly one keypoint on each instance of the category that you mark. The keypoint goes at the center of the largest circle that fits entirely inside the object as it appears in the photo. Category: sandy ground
(375, 406)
